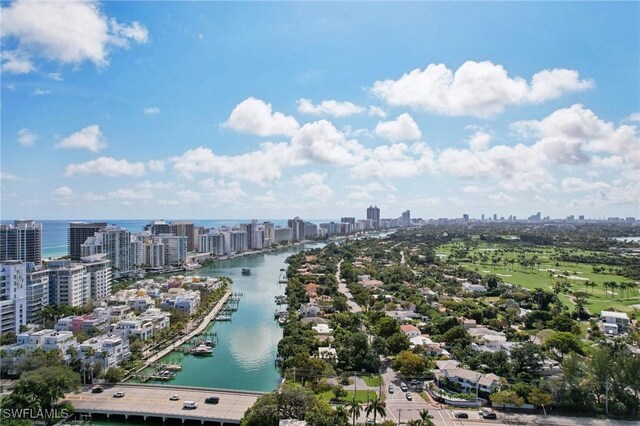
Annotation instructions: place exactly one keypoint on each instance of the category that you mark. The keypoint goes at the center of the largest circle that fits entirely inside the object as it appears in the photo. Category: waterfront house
(309, 310)
(46, 340)
(468, 380)
(107, 349)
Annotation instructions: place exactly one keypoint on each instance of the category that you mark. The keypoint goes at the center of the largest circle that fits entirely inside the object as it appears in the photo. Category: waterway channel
(244, 357)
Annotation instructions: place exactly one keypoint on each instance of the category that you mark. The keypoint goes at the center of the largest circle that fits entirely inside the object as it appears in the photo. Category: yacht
(202, 349)
(246, 271)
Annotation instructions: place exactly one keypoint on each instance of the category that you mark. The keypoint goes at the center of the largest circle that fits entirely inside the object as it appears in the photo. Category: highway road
(154, 401)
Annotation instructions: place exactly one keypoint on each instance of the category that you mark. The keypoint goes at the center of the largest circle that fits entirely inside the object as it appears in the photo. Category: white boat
(202, 349)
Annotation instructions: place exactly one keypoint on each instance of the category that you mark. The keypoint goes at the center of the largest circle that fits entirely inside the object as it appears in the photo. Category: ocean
(55, 232)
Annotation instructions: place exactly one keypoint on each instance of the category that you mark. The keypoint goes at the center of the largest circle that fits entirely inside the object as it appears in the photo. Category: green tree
(564, 343)
(538, 397)
(114, 375)
(409, 364)
(341, 416)
(376, 407)
(457, 336)
(387, 326)
(398, 342)
(426, 419)
(506, 397)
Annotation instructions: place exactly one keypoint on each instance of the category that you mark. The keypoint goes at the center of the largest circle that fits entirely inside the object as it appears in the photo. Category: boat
(282, 320)
(208, 342)
(202, 349)
(192, 266)
(281, 300)
(223, 317)
(171, 367)
(246, 271)
(282, 269)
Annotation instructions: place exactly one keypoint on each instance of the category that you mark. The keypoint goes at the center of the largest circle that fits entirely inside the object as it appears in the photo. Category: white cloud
(403, 128)
(130, 194)
(64, 193)
(66, 32)
(575, 184)
(396, 161)
(189, 196)
(89, 138)
(479, 141)
(377, 112)
(26, 137)
(480, 89)
(90, 196)
(256, 117)
(502, 198)
(312, 186)
(633, 117)
(157, 185)
(105, 166)
(8, 176)
(329, 107)
(472, 189)
(360, 196)
(156, 165)
(266, 198)
(55, 76)
(223, 191)
(41, 92)
(15, 62)
(627, 194)
(320, 141)
(151, 111)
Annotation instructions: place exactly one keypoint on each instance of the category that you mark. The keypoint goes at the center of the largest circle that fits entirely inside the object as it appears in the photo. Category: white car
(175, 398)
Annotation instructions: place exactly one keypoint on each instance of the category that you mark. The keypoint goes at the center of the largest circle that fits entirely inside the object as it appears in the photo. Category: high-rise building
(13, 296)
(98, 268)
(406, 218)
(78, 234)
(351, 220)
(213, 242)
(373, 214)
(21, 241)
(297, 228)
(117, 244)
(158, 227)
(184, 229)
(238, 241)
(465, 217)
(269, 233)
(283, 235)
(310, 230)
(175, 248)
(37, 291)
(69, 284)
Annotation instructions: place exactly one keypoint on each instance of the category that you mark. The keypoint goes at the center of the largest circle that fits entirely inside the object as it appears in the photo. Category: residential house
(410, 330)
(614, 322)
(468, 380)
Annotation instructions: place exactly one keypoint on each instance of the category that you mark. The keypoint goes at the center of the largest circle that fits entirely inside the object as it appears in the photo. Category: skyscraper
(21, 241)
(373, 214)
(13, 296)
(78, 234)
(406, 218)
(297, 228)
(185, 229)
(116, 243)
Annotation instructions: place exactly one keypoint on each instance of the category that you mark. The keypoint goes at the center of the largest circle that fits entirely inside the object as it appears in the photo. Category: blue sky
(228, 110)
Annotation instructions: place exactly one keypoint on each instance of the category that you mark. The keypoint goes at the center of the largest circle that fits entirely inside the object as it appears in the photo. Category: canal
(244, 357)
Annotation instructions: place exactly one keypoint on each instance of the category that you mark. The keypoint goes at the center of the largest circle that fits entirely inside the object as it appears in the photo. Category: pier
(149, 402)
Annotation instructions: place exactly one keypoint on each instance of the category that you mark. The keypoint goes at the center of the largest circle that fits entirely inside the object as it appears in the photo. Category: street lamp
(399, 414)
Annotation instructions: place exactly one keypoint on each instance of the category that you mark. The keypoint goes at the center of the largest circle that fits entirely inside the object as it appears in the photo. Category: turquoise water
(244, 358)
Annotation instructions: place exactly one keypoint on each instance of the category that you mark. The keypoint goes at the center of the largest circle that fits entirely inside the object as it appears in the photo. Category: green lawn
(372, 381)
(548, 271)
(360, 395)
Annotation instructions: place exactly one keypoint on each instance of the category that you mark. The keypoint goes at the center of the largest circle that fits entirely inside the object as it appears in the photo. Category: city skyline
(319, 110)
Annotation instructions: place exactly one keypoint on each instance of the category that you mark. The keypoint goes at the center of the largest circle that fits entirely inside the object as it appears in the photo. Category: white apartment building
(108, 350)
(213, 242)
(282, 235)
(69, 284)
(98, 268)
(13, 296)
(181, 299)
(117, 244)
(143, 326)
(615, 322)
(47, 340)
(175, 248)
(37, 291)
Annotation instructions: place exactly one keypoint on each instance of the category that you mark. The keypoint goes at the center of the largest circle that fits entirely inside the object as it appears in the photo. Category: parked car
(97, 390)
(212, 400)
(460, 415)
(190, 405)
(409, 396)
(174, 398)
(118, 395)
(488, 415)
(403, 386)
(390, 389)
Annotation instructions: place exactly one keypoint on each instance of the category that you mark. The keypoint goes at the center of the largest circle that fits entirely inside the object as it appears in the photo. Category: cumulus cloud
(223, 191)
(256, 117)
(473, 189)
(89, 138)
(329, 107)
(266, 198)
(8, 176)
(480, 89)
(312, 186)
(188, 196)
(396, 161)
(377, 112)
(403, 128)
(501, 198)
(65, 32)
(41, 92)
(26, 138)
(15, 62)
(156, 165)
(105, 166)
(633, 117)
(130, 194)
(320, 141)
(151, 111)
(63, 193)
(479, 141)
(576, 184)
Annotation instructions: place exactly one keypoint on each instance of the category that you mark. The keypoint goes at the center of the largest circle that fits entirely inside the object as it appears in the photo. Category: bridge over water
(152, 402)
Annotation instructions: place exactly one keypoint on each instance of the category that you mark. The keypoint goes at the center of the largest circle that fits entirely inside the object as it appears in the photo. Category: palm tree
(375, 406)
(354, 409)
(341, 416)
(426, 418)
(606, 286)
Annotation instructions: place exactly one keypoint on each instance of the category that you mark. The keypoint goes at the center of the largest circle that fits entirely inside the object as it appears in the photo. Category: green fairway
(499, 260)
(360, 396)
